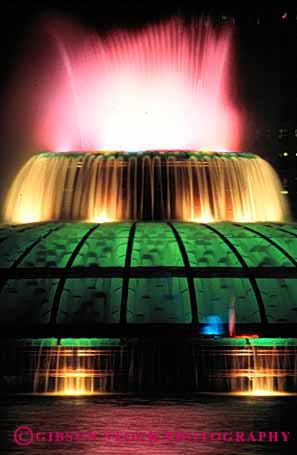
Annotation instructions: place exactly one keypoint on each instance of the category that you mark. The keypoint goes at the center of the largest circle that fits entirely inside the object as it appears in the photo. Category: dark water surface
(158, 424)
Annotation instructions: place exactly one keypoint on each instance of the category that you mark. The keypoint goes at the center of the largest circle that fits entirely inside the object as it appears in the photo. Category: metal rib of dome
(86, 279)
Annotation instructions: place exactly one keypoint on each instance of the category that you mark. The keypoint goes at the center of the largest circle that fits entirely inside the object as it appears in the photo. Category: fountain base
(241, 366)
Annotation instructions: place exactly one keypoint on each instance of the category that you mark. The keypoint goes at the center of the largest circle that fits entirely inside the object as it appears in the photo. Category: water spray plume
(166, 86)
(232, 320)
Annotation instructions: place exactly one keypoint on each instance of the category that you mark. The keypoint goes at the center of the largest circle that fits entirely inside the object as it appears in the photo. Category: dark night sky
(265, 58)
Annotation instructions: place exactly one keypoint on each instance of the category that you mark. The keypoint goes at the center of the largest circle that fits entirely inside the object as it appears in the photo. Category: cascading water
(165, 87)
(76, 370)
(222, 365)
(247, 366)
(66, 371)
(108, 187)
(258, 370)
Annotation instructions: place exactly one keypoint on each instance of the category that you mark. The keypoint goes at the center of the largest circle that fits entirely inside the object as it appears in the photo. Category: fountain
(134, 228)
(73, 370)
(164, 87)
(188, 186)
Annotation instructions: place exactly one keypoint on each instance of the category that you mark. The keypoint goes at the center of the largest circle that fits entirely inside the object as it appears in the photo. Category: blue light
(213, 326)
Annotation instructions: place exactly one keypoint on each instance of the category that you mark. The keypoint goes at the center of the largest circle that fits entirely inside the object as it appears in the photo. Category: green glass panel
(256, 251)
(291, 227)
(285, 240)
(4, 233)
(56, 249)
(39, 341)
(280, 299)
(7, 229)
(90, 342)
(90, 301)
(204, 248)
(27, 302)
(216, 341)
(18, 242)
(105, 247)
(155, 246)
(71, 342)
(246, 342)
(278, 342)
(159, 300)
(215, 296)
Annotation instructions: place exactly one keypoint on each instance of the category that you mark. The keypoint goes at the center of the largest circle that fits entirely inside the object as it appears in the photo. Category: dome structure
(135, 278)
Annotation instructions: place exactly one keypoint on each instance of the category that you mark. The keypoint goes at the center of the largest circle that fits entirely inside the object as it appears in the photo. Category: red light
(247, 335)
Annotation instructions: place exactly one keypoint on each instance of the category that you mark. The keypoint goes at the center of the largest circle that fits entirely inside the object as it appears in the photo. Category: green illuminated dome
(117, 279)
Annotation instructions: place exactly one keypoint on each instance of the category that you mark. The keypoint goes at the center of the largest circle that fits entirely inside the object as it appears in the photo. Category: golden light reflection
(102, 218)
(76, 374)
(262, 393)
(206, 189)
(257, 371)
(74, 382)
(71, 371)
(203, 219)
(68, 391)
(27, 217)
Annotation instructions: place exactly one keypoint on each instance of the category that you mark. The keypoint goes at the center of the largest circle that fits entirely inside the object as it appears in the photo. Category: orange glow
(68, 391)
(25, 216)
(76, 374)
(102, 218)
(257, 371)
(247, 336)
(262, 393)
(262, 374)
(70, 371)
(74, 382)
(103, 189)
(203, 219)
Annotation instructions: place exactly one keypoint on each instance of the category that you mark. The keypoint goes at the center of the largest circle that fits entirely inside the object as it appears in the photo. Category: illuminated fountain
(165, 87)
(72, 370)
(150, 117)
(188, 186)
(158, 96)
(259, 367)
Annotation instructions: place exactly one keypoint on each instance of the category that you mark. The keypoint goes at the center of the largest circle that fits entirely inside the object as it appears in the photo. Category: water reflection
(122, 424)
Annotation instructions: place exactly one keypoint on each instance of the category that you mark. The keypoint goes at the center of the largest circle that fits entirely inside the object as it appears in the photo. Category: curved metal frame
(126, 277)
(250, 275)
(272, 242)
(188, 270)
(26, 252)
(126, 272)
(61, 284)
